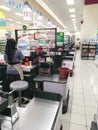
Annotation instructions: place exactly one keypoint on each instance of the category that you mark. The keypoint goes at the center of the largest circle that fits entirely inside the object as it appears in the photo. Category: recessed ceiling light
(70, 2)
(72, 10)
(75, 28)
(73, 19)
(19, 14)
(5, 8)
(73, 15)
(74, 24)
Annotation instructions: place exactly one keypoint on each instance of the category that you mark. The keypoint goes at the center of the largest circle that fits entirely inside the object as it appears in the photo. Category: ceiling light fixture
(11, 20)
(19, 14)
(4, 8)
(43, 5)
(70, 2)
(73, 19)
(75, 28)
(72, 10)
(72, 15)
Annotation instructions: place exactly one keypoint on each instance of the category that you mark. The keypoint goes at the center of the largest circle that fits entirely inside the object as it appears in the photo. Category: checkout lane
(43, 112)
(54, 84)
(39, 114)
(51, 83)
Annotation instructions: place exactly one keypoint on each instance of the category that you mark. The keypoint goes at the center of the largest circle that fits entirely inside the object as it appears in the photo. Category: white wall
(89, 27)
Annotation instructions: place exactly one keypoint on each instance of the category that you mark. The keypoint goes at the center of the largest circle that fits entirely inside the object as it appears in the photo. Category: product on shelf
(88, 51)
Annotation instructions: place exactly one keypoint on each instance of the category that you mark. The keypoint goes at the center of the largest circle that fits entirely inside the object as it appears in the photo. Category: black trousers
(13, 77)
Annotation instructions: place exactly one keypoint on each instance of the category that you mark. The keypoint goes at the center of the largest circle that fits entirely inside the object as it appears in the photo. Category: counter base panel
(62, 89)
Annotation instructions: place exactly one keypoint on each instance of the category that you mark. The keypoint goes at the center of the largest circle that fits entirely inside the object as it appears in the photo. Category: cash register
(45, 65)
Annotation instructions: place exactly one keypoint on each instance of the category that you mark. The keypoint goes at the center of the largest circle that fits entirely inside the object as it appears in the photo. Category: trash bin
(63, 73)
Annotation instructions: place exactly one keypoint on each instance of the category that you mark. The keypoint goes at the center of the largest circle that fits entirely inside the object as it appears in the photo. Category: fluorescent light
(5, 8)
(73, 19)
(19, 14)
(70, 2)
(73, 22)
(43, 5)
(75, 28)
(72, 10)
(73, 15)
(9, 20)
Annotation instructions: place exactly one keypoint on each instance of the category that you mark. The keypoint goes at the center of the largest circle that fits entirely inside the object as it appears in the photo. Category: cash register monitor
(22, 45)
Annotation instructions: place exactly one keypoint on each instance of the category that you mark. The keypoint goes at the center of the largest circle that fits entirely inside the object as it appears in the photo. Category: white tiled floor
(83, 95)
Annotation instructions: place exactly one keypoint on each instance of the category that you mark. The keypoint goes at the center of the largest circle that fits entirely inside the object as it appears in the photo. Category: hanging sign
(60, 38)
(27, 14)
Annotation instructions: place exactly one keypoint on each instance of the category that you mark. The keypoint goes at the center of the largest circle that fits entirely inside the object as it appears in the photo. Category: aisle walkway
(83, 95)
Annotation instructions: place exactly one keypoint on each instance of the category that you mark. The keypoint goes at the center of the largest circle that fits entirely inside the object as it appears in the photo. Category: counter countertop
(50, 78)
(39, 114)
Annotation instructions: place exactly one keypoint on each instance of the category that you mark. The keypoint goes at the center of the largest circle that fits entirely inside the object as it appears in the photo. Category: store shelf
(97, 49)
(88, 51)
(2, 46)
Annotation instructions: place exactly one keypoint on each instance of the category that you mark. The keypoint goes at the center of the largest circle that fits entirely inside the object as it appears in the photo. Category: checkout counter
(53, 84)
(44, 80)
(47, 83)
(43, 112)
(68, 60)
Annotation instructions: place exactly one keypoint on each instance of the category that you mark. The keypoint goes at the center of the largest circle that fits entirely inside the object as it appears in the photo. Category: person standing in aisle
(12, 56)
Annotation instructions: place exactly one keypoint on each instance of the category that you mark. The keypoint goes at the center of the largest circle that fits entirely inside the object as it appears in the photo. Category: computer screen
(22, 45)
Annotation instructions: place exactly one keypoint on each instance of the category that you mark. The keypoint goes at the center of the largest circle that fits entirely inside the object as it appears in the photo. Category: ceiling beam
(38, 8)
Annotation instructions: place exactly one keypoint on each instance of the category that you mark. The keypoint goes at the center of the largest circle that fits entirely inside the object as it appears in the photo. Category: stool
(19, 85)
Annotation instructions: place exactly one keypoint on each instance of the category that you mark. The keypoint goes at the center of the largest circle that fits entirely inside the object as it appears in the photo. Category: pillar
(90, 24)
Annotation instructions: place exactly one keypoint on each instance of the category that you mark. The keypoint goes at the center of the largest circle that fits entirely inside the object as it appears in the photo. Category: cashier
(12, 56)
